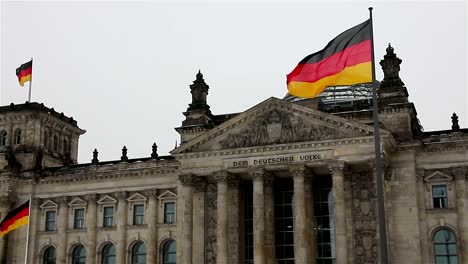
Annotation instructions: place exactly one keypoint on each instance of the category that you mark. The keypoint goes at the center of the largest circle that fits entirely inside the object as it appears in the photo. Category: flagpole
(30, 81)
(27, 232)
(378, 161)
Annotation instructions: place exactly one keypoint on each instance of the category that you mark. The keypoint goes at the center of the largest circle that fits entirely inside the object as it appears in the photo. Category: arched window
(169, 252)
(49, 256)
(79, 255)
(108, 254)
(65, 146)
(17, 139)
(56, 143)
(3, 138)
(139, 253)
(445, 247)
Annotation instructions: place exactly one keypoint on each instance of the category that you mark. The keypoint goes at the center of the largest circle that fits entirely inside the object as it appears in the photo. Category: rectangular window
(108, 217)
(79, 219)
(50, 221)
(439, 196)
(169, 212)
(138, 214)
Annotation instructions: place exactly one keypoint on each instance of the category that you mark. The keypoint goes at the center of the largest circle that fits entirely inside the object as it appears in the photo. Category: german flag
(345, 60)
(24, 73)
(15, 219)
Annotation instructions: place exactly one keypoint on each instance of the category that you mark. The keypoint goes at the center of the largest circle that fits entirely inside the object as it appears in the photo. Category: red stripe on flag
(25, 72)
(333, 64)
(19, 215)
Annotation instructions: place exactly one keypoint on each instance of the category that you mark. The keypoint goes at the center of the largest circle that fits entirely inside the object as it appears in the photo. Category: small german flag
(24, 73)
(15, 219)
(346, 60)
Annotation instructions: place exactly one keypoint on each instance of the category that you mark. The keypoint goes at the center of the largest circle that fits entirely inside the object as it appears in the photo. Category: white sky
(123, 69)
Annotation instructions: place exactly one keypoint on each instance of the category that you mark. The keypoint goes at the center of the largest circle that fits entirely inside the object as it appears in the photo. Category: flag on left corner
(15, 219)
(24, 72)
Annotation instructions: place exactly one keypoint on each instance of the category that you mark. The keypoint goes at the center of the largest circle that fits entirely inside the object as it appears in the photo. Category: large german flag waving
(15, 219)
(345, 60)
(24, 72)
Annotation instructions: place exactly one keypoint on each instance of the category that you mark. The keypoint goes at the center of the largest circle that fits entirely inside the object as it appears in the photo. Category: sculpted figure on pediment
(277, 127)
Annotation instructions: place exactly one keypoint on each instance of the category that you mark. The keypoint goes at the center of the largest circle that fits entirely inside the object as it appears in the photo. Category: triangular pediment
(48, 204)
(77, 202)
(274, 122)
(167, 195)
(107, 200)
(438, 176)
(136, 197)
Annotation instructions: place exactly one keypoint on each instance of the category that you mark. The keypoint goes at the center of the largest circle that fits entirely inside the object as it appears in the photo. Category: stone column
(337, 172)
(5, 206)
(234, 221)
(462, 212)
(91, 228)
(187, 214)
(62, 226)
(152, 226)
(121, 228)
(222, 221)
(270, 257)
(310, 241)
(300, 246)
(258, 215)
(425, 255)
(199, 212)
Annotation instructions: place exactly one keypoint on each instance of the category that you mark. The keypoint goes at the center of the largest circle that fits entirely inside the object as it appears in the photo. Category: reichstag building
(286, 181)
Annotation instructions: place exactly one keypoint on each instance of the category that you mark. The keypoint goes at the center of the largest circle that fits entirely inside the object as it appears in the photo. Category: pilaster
(152, 225)
(62, 222)
(199, 213)
(187, 182)
(91, 228)
(121, 227)
(258, 215)
(268, 183)
(462, 214)
(337, 171)
(222, 221)
(234, 220)
(300, 246)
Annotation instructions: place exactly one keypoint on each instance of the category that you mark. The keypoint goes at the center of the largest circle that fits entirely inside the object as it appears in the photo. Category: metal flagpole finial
(370, 8)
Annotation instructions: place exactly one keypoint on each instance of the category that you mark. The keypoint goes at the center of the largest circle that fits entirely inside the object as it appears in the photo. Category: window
(439, 196)
(17, 136)
(49, 256)
(108, 254)
(56, 143)
(445, 247)
(169, 252)
(50, 221)
(3, 138)
(79, 255)
(138, 214)
(139, 253)
(108, 216)
(169, 212)
(79, 220)
(65, 146)
(46, 139)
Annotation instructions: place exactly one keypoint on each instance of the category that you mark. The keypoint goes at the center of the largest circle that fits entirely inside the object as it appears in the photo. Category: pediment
(136, 197)
(273, 122)
(438, 176)
(77, 202)
(48, 204)
(107, 200)
(167, 195)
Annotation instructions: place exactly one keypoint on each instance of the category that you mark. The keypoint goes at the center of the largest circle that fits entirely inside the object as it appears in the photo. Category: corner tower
(33, 136)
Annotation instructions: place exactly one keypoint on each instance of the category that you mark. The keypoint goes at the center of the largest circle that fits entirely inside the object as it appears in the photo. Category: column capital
(91, 198)
(200, 185)
(233, 182)
(268, 180)
(121, 195)
(297, 170)
(256, 173)
(152, 193)
(187, 179)
(221, 176)
(336, 167)
(459, 173)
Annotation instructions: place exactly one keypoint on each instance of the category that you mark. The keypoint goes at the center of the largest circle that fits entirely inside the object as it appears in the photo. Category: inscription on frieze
(283, 159)
(278, 127)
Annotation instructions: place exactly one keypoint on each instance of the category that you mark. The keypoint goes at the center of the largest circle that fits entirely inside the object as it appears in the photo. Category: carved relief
(277, 127)
(211, 195)
(364, 218)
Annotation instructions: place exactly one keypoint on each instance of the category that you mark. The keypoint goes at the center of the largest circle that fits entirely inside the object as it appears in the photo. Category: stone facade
(283, 182)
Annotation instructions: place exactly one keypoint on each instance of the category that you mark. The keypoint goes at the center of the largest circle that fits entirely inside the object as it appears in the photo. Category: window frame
(446, 197)
(104, 255)
(104, 217)
(164, 254)
(135, 215)
(46, 220)
(132, 251)
(3, 138)
(73, 254)
(75, 219)
(165, 203)
(17, 137)
(45, 257)
(447, 244)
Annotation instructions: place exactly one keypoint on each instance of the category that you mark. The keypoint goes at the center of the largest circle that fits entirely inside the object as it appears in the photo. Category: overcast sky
(123, 69)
